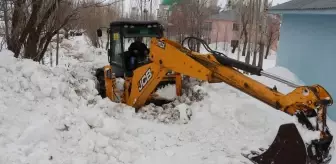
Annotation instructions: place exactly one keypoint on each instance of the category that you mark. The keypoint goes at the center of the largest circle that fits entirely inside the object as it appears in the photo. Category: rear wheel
(101, 82)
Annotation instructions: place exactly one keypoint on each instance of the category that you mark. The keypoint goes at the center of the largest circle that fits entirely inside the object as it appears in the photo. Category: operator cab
(128, 44)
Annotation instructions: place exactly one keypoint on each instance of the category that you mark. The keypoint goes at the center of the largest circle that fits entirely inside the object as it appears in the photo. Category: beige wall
(222, 31)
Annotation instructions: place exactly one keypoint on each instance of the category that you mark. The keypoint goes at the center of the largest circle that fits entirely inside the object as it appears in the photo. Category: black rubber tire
(101, 82)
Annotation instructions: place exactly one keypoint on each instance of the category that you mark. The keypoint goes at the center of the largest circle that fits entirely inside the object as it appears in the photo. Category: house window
(207, 26)
(235, 27)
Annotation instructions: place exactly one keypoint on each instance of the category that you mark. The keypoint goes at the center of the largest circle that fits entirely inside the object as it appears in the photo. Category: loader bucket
(287, 148)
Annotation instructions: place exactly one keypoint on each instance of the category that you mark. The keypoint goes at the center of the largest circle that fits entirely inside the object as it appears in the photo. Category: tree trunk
(217, 39)
(254, 61)
(30, 48)
(199, 35)
(261, 54)
(263, 34)
(66, 33)
(6, 19)
(51, 61)
(239, 50)
(43, 49)
(245, 43)
(234, 47)
(267, 50)
(217, 32)
(248, 55)
(13, 41)
(269, 42)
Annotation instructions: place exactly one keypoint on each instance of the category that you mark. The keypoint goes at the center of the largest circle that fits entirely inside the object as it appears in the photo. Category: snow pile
(178, 110)
(167, 92)
(47, 114)
(76, 51)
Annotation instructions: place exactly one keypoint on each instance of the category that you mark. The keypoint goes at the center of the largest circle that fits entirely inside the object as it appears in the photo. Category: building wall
(308, 48)
(222, 31)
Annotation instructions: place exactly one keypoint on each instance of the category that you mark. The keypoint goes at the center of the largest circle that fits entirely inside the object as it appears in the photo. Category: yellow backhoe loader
(168, 61)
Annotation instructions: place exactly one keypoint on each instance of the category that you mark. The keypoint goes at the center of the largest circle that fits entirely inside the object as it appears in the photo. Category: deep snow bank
(38, 105)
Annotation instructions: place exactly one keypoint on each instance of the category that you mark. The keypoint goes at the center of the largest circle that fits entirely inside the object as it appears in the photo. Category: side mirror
(99, 33)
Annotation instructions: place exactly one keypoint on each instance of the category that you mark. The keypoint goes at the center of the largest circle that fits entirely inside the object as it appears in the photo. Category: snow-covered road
(54, 116)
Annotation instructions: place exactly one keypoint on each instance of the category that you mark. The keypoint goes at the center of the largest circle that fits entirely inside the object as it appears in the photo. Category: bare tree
(193, 22)
(198, 16)
(241, 10)
(217, 32)
(4, 9)
(33, 24)
(263, 33)
(251, 9)
(257, 27)
(244, 21)
(94, 18)
(225, 38)
(179, 22)
(273, 32)
(253, 19)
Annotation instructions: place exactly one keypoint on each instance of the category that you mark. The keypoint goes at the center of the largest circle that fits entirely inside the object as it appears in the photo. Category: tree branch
(32, 20)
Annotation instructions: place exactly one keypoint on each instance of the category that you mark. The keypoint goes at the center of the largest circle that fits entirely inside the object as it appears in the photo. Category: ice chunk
(93, 118)
(185, 113)
(40, 130)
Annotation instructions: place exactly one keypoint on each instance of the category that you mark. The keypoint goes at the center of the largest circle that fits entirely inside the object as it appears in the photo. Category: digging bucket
(287, 148)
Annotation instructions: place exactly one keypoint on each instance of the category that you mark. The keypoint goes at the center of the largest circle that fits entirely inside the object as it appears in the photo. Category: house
(225, 28)
(178, 23)
(307, 45)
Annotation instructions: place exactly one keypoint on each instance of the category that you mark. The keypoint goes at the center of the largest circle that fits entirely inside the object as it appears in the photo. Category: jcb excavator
(169, 61)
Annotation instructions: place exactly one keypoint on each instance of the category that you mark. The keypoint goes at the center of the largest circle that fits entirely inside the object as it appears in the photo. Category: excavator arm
(305, 102)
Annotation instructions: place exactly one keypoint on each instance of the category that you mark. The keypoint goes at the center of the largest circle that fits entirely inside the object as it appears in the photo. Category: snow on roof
(306, 5)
